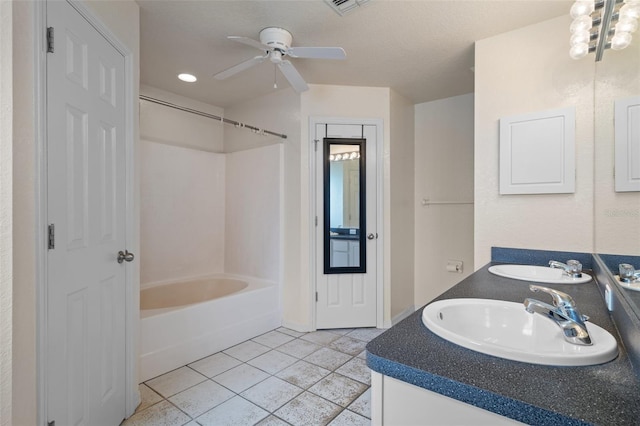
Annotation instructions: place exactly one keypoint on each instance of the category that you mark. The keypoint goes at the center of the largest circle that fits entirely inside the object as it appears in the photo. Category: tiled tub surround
(607, 394)
(279, 378)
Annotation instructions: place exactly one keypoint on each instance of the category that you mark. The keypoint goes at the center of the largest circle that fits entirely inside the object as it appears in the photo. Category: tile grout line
(297, 359)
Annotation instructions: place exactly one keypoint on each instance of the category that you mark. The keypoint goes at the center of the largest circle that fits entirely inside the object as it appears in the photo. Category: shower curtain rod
(215, 117)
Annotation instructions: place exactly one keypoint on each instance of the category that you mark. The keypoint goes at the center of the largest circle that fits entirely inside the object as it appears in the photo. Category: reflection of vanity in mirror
(344, 194)
(617, 214)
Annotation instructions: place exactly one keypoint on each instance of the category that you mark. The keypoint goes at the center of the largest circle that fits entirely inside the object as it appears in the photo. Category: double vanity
(475, 355)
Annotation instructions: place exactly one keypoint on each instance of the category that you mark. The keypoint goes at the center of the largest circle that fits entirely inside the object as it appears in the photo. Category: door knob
(125, 255)
(372, 236)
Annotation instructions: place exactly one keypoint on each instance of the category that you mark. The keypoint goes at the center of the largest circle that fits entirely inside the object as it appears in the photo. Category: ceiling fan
(276, 45)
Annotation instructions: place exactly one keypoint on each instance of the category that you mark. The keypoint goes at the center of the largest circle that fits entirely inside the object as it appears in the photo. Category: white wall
(528, 70)
(253, 213)
(182, 228)
(18, 289)
(401, 209)
(205, 212)
(6, 210)
(171, 126)
(279, 112)
(617, 214)
(443, 172)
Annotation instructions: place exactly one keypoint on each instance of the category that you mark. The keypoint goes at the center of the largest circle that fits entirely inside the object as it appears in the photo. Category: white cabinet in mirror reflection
(627, 128)
(537, 153)
(345, 253)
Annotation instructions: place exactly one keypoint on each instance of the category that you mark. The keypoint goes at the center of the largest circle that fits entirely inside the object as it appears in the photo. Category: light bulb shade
(580, 37)
(581, 23)
(579, 51)
(620, 41)
(627, 25)
(630, 10)
(582, 8)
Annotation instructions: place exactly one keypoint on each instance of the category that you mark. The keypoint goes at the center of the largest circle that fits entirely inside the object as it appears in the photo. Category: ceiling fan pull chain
(275, 77)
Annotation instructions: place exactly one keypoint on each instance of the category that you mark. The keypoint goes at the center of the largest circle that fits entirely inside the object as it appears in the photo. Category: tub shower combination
(183, 321)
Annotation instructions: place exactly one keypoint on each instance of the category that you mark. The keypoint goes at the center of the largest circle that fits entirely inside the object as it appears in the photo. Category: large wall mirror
(617, 214)
(344, 201)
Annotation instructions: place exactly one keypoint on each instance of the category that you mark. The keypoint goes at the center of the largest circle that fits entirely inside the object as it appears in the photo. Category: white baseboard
(402, 315)
(302, 328)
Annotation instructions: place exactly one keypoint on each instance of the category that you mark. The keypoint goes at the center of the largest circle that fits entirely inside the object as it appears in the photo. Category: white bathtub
(188, 320)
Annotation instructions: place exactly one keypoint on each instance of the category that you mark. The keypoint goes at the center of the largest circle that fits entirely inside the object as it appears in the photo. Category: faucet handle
(627, 272)
(575, 267)
(560, 299)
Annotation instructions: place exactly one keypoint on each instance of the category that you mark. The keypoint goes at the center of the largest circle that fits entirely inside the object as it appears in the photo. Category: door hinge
(316, 296)
(51, 423)
(315, 145)
(51, 237)
(316, 220)
(50, 40)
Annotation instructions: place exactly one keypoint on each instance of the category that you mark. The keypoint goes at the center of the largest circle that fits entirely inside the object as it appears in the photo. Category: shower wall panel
(182, 217)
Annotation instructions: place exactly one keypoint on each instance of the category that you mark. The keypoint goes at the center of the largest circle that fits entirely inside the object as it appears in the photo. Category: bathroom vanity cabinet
(395, 402)
(420, 378)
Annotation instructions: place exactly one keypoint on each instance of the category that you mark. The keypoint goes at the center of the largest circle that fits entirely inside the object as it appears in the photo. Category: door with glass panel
(346, 235)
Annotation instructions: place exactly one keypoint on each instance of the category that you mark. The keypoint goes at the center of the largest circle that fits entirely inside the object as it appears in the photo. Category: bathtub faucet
(573, 268)
(563, 312)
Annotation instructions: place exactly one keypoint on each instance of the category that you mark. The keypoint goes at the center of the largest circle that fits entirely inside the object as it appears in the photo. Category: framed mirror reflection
(344, 197)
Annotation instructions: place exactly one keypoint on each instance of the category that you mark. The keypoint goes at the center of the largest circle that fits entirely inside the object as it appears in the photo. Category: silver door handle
(372, 236)
(125, 255)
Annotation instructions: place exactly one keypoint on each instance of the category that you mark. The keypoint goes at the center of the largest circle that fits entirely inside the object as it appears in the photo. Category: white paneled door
(347, 299)
(86, 173)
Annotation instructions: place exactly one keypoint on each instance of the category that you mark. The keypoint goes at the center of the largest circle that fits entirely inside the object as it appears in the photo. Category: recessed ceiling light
(189, 78)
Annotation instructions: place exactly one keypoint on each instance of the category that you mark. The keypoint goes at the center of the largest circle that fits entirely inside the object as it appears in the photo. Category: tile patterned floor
(282, 377)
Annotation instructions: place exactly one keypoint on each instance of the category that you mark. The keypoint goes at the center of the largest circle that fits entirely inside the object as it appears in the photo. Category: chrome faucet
(573, 268)
(563, 312)
(628, 273)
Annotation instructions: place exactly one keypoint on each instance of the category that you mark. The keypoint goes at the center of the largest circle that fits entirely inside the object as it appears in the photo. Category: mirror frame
(362, 268)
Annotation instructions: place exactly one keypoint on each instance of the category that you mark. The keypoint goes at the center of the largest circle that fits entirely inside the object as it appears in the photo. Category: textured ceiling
(423, 49)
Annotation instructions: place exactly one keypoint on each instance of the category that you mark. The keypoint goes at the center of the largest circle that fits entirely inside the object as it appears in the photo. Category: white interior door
(86, 174)
(347, 299)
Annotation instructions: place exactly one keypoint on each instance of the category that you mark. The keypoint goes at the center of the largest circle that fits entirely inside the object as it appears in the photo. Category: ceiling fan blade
(250, 42)
(239, 67)
(317, 52)
(293, 76)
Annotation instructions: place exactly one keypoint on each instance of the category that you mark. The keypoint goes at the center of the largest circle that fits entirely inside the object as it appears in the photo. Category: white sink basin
(506, 330)
(540, 274)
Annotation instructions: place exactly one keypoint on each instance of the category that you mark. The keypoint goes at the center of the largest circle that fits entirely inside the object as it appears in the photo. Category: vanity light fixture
(189, 78)
(602, 24)
(344, 156)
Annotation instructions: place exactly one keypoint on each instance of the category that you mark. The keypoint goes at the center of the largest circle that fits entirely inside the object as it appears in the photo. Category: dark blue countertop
(606, 394)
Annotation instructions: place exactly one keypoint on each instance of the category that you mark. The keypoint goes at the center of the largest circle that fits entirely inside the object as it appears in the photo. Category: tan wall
(443, 172)
(522, 71)
(401, 201)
